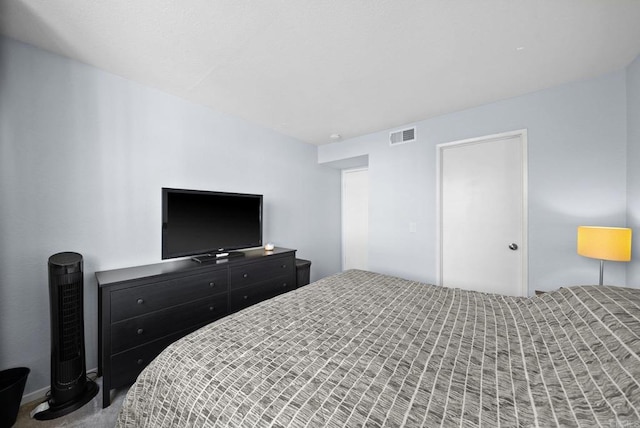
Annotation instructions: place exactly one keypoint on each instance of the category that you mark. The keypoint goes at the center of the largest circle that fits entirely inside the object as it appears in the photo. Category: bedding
(364, 349)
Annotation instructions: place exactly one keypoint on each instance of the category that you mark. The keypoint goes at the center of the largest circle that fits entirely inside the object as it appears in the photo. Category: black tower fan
(70, 388)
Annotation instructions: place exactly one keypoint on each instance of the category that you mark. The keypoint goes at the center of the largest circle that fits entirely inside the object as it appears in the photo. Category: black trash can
(12, 382)
(303, 272)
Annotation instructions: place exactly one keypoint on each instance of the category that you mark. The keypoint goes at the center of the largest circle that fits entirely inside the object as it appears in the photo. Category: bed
(365, 349)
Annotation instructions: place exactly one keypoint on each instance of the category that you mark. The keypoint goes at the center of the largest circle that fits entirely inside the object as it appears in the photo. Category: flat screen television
(197, 222)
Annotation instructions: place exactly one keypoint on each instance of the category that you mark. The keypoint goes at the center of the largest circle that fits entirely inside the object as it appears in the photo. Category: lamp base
(601, 272)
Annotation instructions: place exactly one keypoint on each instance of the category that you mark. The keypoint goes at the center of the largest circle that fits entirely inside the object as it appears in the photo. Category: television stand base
(206, 258)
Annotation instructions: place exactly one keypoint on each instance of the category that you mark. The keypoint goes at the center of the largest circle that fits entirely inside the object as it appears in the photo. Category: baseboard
(38, 395)
(41, 394)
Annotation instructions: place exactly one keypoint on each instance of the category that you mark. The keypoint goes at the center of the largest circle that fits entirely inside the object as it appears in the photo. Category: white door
(355, 218)
(483, 214)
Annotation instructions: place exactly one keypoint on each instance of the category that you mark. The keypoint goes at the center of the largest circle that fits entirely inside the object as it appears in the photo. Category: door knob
(513, 246)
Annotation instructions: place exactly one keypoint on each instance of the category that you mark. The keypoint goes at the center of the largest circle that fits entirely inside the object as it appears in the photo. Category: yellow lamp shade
(605, 243)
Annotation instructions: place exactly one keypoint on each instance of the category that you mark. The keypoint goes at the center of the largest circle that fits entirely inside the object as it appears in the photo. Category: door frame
(522, 133)
(342, 208)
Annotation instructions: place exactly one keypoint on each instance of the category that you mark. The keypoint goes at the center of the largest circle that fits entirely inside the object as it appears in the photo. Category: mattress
(364, 349)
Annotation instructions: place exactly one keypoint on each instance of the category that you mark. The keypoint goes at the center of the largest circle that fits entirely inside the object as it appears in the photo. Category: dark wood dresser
(143, 309)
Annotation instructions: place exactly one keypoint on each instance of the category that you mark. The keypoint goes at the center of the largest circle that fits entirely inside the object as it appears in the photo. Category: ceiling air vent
(402, 136)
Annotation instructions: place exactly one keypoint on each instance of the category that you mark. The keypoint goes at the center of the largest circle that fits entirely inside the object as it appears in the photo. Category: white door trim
(524, 247)
(342, 206)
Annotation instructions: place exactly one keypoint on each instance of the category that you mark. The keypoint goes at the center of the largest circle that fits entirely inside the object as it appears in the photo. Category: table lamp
(604, 243)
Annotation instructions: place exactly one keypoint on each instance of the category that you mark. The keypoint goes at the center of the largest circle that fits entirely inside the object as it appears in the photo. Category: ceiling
(310, 69)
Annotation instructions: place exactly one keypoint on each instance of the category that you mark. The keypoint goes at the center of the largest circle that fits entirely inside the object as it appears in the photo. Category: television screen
(196, 222)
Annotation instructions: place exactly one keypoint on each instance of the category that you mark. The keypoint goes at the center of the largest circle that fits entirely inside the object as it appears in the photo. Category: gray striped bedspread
(364, 349)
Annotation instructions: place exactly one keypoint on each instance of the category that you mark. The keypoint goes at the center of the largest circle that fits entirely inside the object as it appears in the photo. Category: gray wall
(577, 176)
(83, 155)
(633, 166)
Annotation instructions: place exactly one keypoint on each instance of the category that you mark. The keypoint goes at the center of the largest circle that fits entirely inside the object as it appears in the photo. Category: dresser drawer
(247, 296)
(145, 328)
(142, 299)
(242, 276)
(126, 366)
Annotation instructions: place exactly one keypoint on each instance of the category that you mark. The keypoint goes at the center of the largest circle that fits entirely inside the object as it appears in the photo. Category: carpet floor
(90, 415)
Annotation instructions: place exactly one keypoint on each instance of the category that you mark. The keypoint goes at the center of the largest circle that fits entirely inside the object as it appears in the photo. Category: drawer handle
(284, 285)
(245, 275)
(140, 361)
(140, 301)
(245, 297)
(140, 331)
(211, 308)
(283, 266)
(211, 284)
